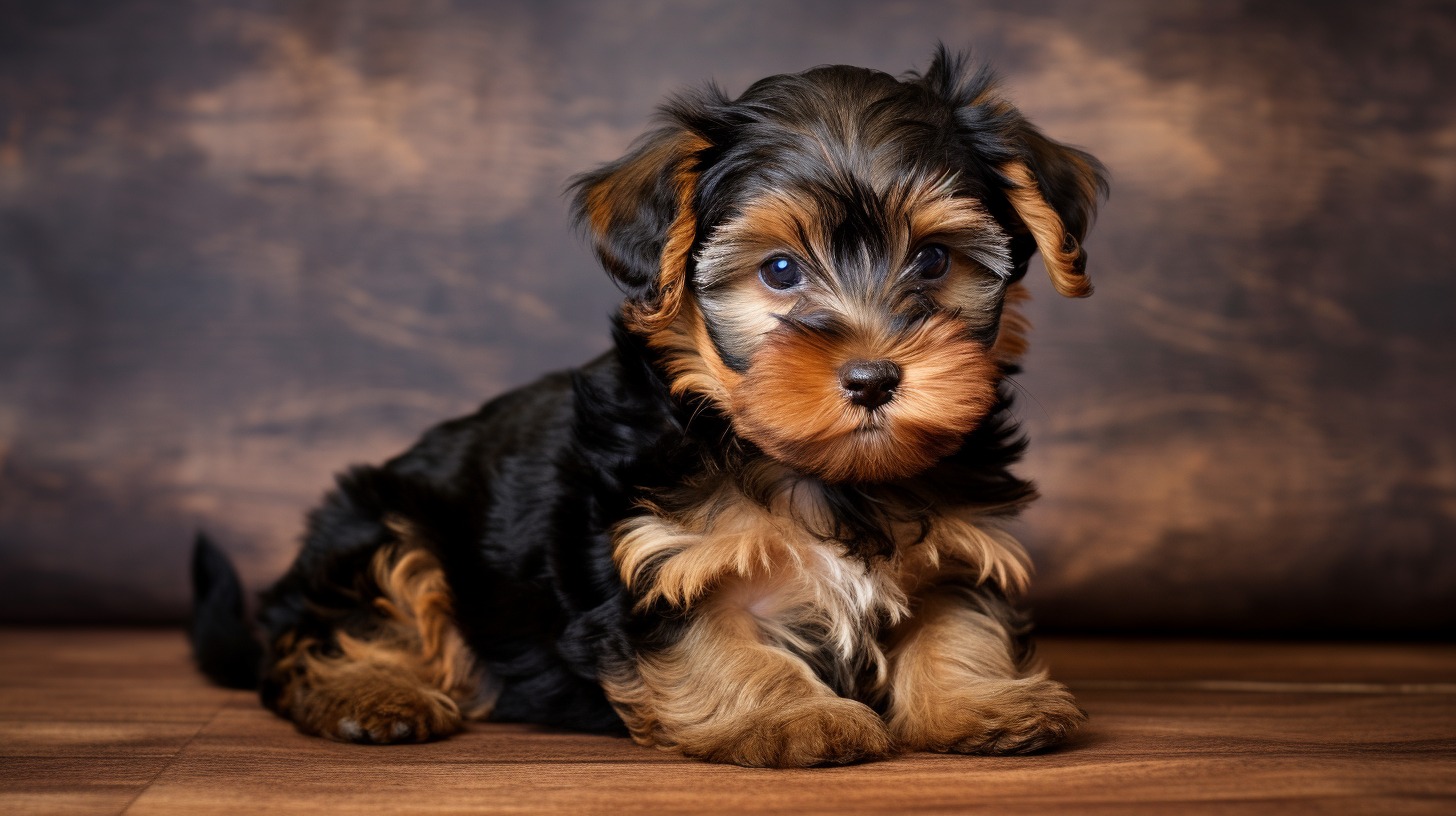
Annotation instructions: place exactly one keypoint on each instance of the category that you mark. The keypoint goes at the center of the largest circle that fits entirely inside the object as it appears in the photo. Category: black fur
(222, 642)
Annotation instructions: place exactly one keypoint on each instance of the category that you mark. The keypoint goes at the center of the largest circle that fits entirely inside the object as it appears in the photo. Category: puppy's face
(828, 257)
(852, 291)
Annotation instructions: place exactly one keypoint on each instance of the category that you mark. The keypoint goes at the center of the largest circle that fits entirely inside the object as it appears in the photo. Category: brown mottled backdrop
(246, 242)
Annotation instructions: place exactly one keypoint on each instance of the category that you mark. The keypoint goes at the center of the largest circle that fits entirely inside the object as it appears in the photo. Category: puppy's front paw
(817, 731)
(995, 717)
(1038, 717)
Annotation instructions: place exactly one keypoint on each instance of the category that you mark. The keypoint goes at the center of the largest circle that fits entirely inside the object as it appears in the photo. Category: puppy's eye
(779, 272)
(931, 262)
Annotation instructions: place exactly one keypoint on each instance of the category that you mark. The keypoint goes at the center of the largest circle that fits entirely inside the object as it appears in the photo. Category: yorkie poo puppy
(766, 527)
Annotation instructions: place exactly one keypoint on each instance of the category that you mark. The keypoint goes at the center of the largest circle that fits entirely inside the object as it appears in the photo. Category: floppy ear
(639, 213)
(1052, 188)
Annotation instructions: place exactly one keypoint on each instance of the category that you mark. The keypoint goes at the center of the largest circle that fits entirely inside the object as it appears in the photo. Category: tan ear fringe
(1060, 251)
(662, 309)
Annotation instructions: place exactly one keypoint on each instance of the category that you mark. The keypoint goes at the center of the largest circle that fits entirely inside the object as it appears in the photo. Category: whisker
(1027, 392)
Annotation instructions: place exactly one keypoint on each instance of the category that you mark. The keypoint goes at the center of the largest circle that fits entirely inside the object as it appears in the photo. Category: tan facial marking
(792, 405)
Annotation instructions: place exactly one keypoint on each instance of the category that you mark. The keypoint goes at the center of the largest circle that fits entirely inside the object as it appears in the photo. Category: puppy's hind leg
(400, 673)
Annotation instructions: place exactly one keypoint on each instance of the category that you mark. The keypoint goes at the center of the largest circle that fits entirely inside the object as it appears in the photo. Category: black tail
(222, 642)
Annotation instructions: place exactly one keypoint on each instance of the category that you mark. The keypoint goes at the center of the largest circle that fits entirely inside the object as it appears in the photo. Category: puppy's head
(829, 257)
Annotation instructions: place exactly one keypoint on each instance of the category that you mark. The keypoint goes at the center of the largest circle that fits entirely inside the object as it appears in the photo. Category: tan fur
(616, 198)
(779, 568)
(792, 404)
(751, 580)
(618, 195)
(410, 678)
(693, 365)
(742, 307)
(955, 687)
(778, 223)
(1059, 249)
(721, 693)
(963, 544)
(672, 281)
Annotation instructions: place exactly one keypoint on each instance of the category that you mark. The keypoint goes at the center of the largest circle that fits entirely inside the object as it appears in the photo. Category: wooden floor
(116, 721)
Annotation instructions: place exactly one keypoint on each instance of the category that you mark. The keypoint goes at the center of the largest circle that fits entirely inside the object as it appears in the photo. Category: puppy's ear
(639, 213)
(1052, 188)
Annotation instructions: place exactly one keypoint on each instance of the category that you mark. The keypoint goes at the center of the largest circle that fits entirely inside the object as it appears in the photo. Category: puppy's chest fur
(761, 552)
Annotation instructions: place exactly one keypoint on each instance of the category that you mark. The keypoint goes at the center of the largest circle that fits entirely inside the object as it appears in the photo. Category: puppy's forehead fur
(847, 138)
(861, 240)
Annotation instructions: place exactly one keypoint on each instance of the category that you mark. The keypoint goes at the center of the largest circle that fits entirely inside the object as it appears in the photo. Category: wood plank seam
(173, 759)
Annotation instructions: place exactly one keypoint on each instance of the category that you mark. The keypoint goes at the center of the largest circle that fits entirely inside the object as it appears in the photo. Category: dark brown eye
(931, 262)
(780, 272)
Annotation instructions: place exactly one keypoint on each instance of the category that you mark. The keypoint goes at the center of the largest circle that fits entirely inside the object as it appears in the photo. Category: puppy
(766, 527)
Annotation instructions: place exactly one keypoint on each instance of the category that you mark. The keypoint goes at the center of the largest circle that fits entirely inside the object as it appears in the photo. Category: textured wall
(245, 243)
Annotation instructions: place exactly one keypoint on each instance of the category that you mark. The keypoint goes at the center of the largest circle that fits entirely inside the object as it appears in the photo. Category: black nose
(870, 383)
